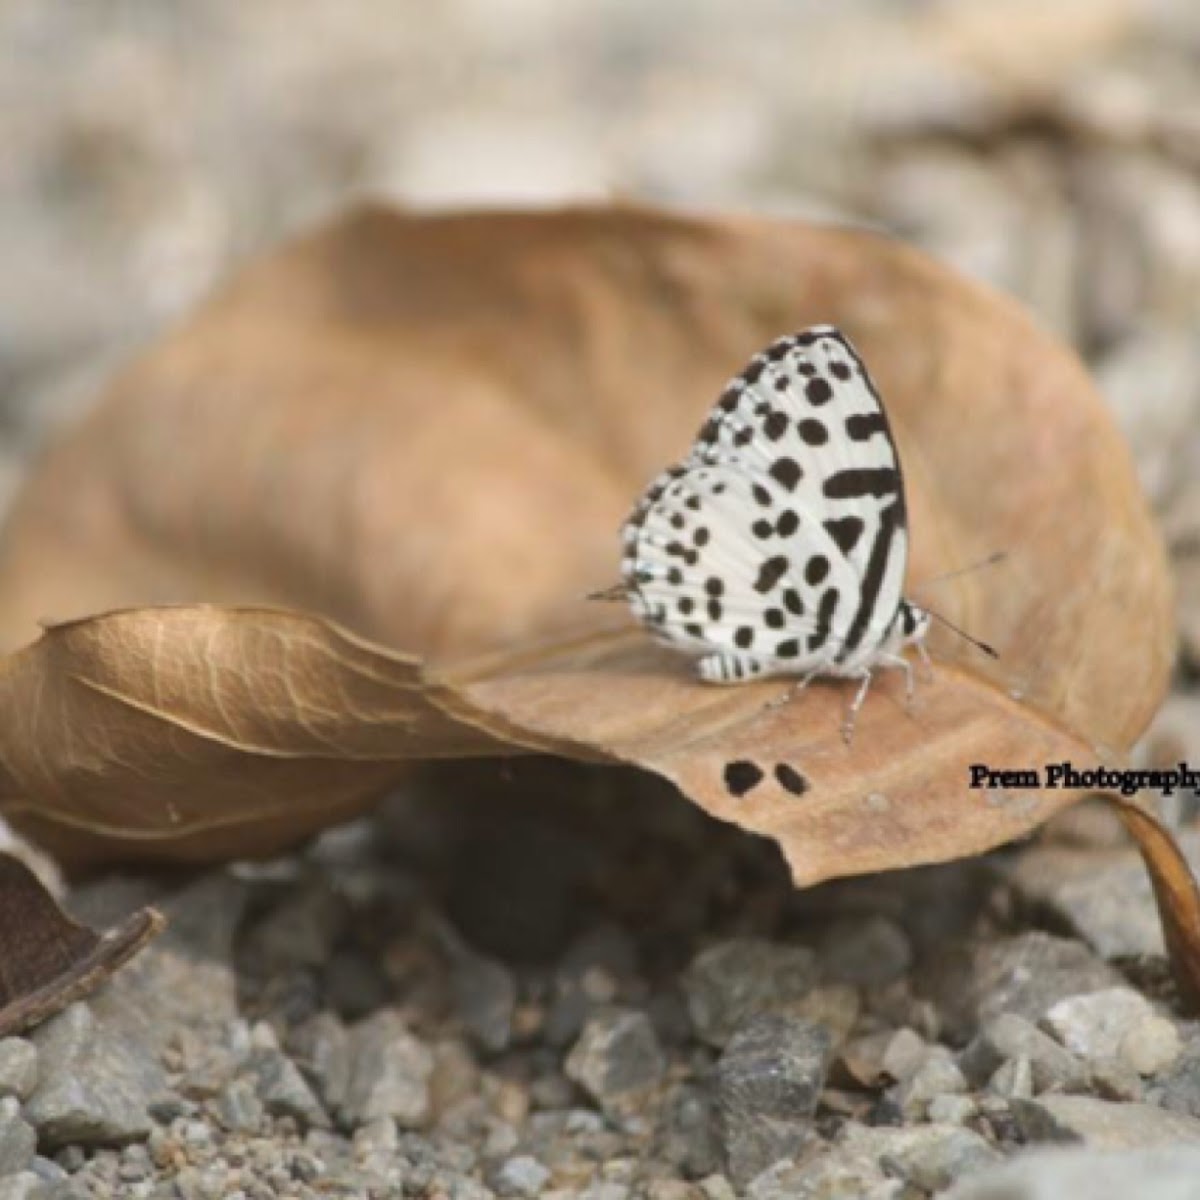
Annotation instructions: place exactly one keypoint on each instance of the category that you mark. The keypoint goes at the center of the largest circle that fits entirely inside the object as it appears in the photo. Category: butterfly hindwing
(705, 578)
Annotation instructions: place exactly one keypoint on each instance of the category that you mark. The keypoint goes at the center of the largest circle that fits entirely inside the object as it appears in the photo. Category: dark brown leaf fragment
(47, 960)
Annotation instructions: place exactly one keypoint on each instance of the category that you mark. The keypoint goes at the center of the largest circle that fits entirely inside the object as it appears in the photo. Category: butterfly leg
(852, 716)
(793, 691)
(926, 661)
(900, 663)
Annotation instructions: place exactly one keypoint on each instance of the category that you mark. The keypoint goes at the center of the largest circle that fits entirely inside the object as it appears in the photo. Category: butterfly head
(912, 622)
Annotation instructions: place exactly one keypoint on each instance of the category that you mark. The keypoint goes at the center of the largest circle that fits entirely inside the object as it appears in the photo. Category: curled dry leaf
(429, 428)
(47, 960)
(1175, 893)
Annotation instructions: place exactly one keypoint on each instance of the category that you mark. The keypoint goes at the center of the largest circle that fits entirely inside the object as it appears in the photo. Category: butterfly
(778, 546)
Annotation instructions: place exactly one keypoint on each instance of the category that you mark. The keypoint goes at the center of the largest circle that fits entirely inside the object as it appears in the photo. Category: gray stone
(1179, 1089)
(1163, 1174)
(1105, 1124)
(828, 1176)
(903, 1054)
(1026, 974)
(321, 1048)
(937, 1075)
(617, 1059)
(593, 970)
(868, 952)
(931, 1157)
(238, 1107)
(768, 1082)
(1151, 1046)
(731, 982)
(25, 1185)
(18, 1142)
(1013, 1079)
(389, 1073)
(1105, 894)
(689, 1140)
(185, 978)
(1113, 1079)
(521, 1176)
(485, 994)
(1009, 1036)
(299, 931)
(18, 1067)
(282, 1089)
(716, 1187)
(1095, 1025)
(95, 1086)
(952, 1109)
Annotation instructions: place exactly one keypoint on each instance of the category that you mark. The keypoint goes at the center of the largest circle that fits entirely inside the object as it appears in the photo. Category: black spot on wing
(790, 779)
(812, 432)
(786, 472)
(788, 649)
(845, 531)
(855, 482)
(862, 426)
(743, 638)
(742, 776)
(787, 524)
(818, 391)
(816, 569)
(840, 370)
(825, 614)
(761, 495)
(770, 573)
(775, 426)
(774, 618)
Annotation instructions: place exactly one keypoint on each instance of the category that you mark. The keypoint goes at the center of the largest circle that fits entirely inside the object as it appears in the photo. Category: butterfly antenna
(990, 561)
(963, 634)
(617, 592)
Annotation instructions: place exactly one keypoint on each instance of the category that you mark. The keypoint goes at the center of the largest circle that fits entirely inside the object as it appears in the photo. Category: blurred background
(1051, 148)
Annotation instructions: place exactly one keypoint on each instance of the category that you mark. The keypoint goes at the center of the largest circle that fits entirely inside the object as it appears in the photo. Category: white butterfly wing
(698, 577)
(794, 469)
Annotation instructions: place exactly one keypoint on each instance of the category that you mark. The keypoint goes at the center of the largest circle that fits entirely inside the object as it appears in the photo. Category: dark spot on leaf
(791, 779)
(741, 776)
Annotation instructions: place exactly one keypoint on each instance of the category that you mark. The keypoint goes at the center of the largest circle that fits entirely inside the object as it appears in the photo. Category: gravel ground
(536, 980)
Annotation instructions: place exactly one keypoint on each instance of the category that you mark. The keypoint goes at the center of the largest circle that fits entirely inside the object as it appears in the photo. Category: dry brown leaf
(898, 796)
(429, 429)
(207, 733)
(1175, 893)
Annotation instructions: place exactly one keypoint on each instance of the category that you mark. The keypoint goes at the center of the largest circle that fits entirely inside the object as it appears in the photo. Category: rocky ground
(534, 979)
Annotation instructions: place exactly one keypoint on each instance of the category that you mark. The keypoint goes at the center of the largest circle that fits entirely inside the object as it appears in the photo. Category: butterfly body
(779, 545)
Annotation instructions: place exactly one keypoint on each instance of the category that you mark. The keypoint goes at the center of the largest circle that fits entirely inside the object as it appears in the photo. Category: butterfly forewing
(782, 536)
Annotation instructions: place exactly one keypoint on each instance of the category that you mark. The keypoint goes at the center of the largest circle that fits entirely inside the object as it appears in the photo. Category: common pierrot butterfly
(779, 545)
